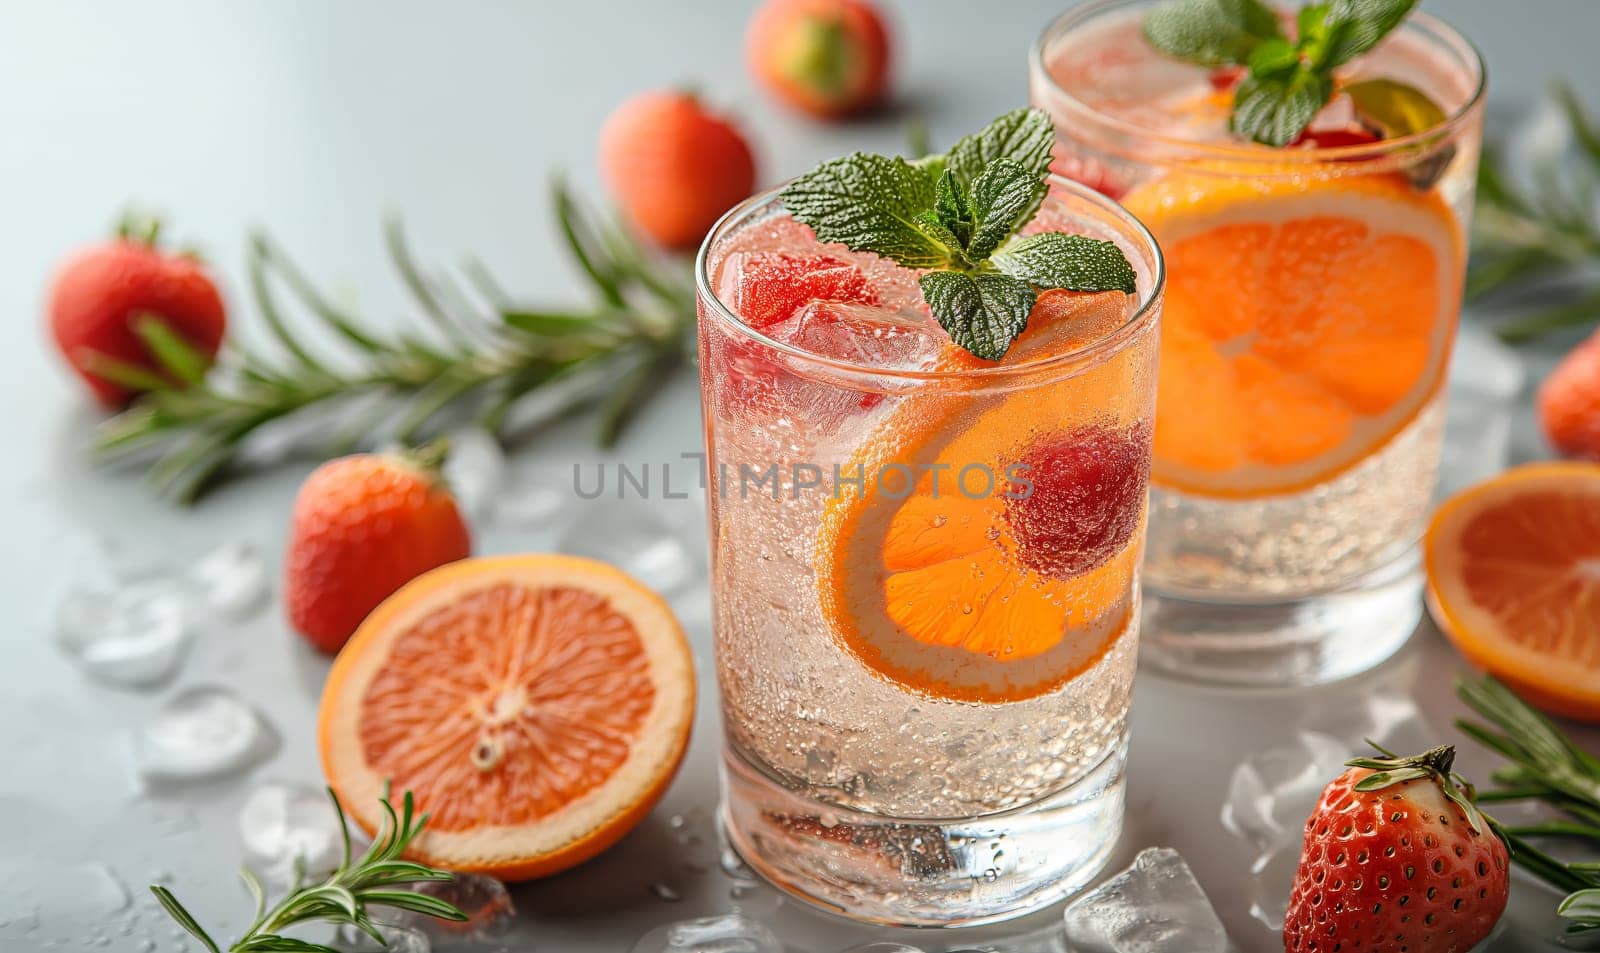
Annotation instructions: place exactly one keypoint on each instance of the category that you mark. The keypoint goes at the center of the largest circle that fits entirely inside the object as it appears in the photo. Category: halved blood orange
(943, 579)
(536, 705)
(1307, 321)
(1514, 580)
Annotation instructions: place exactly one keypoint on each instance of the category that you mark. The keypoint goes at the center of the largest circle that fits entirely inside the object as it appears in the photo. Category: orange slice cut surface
(1514, 580)
(937, 580)
(536, 705)
(1307, 321)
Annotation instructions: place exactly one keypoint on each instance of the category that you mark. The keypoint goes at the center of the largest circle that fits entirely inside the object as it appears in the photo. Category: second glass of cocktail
(926, 562)
(1309, 175)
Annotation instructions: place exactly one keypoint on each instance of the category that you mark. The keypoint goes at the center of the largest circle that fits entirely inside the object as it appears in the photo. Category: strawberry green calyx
(140, 229)
(822, 56)
(958, 217)
(1435, 764)
(428, 458)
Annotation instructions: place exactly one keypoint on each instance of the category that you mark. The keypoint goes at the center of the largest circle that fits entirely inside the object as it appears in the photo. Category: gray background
(314, 119)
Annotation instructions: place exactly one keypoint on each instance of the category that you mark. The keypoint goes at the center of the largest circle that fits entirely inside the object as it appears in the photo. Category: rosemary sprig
(1546, 766)
(1548, 229)
(342, 898)
(480, 355)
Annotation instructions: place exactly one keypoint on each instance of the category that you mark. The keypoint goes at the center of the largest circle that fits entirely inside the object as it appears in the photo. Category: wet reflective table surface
(313, 120)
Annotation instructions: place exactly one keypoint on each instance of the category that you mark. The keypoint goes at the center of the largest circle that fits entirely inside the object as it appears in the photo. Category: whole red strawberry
(363, 526)
(674, 166)
(1396, 857)
(101, 294)
(829, 58)
(1569, 402)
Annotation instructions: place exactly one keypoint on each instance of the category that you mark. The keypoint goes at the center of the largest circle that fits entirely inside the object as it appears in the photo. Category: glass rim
(1433, 29)
(1146, 307)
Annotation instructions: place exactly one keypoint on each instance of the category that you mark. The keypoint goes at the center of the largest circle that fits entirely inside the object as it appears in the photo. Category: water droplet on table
(201, 733)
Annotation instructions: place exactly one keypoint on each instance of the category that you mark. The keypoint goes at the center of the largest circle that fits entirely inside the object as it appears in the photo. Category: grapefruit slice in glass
(990, 554)
(536, 705)
(1307, 322)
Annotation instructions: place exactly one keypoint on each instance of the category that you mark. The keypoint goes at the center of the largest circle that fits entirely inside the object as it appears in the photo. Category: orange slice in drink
(1514, 580)
(990, 555)
(536, 705)
(1307, 321)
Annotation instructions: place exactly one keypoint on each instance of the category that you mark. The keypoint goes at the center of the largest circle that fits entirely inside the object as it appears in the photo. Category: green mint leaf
(935, 228)
(1025, 136)
(951, 205)
(1274, 56)
(983, 313)
(1356, 26)
(870, 203)
(1211, 32)
(1275, 109)
(1004, 193)
(1073, 262)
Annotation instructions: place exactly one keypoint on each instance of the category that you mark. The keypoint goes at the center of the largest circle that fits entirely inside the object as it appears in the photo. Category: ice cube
(635, 538)
(1155, 906)
(1272, 792)
(397, 939)
(231, 580)
(731, 933)
(282, 823)
(133, 637)
(484, 900)
(475, 470)
(201, 733)
(860, 334)
(884, 946)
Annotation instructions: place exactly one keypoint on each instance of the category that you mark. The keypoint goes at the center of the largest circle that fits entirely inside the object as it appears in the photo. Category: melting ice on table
(280, 824)
(732, 933)
(1273, 791)
(485, 901)
(201, 733)
(1155, 906)
(633, 536)
(132, 637)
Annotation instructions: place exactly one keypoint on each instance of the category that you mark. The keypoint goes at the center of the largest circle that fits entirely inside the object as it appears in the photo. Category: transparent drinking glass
(1313, 297)
(925, 571)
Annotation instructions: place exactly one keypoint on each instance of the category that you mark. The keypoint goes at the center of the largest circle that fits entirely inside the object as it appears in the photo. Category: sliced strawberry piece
(1077, 503)
(773, 286)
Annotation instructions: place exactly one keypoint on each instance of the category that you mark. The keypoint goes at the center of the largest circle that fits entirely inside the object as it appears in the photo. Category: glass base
(1304, 641)
(924, 872)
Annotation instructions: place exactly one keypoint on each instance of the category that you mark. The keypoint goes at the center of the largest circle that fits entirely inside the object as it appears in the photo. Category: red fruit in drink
(828, 58)
(1336, 138)
(362, 527)
(1075, 498)
(673, 166)
(1225, 78)
(1404, 865)
(102, 291)
(1569, 402)
(774, 286)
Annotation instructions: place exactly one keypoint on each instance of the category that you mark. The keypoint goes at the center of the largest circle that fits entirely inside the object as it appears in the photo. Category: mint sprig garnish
(957, 215)
(1287, 81)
